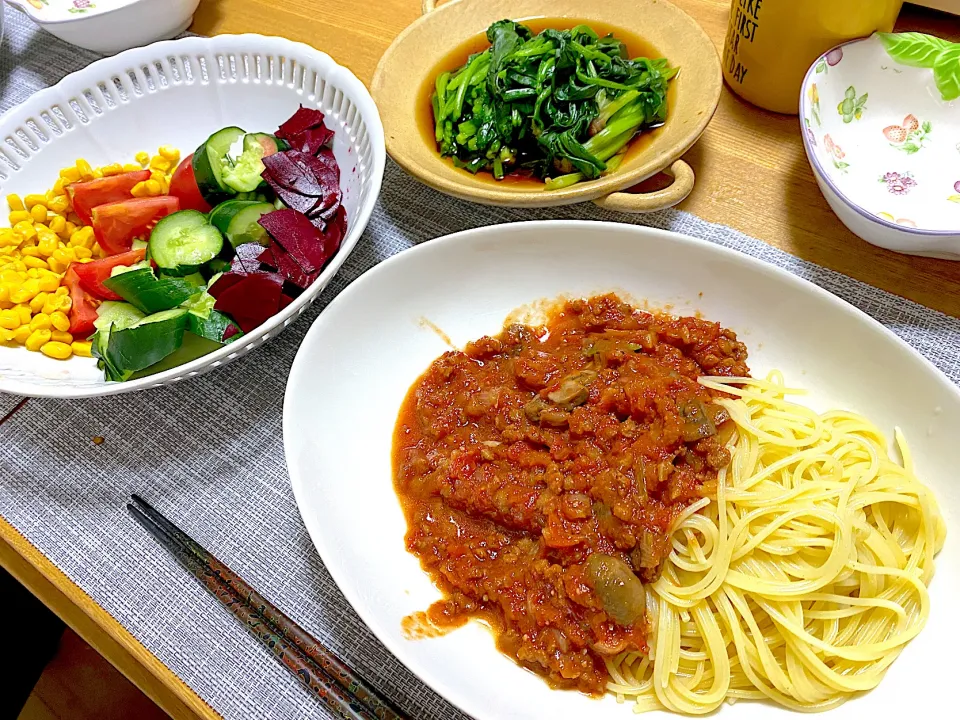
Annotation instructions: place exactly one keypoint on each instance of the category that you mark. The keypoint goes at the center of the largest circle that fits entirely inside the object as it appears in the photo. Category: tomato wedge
(116, 224)
(183, 185)
(83, 310)
(92, 274)
(85, 196)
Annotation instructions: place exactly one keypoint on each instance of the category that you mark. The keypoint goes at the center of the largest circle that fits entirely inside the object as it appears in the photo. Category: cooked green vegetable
(563, 104)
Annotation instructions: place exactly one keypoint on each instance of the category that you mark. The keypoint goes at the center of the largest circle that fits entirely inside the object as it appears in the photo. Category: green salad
(561, 105)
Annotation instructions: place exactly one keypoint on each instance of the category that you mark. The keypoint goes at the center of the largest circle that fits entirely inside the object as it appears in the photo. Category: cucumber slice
(213, 326)
(244, 228)
(223, 213)
(241, 173)
(120, 315)
(192, 348)
(183, 241)
(208, 163)
(270, 144)
(149, 341)
(149, 293)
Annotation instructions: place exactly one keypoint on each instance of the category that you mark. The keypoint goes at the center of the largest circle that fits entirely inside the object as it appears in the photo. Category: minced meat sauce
(540, 471)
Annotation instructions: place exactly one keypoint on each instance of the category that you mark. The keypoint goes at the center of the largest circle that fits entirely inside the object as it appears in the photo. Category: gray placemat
(208, 453)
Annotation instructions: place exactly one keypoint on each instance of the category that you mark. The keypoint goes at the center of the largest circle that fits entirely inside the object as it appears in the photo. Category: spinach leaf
(561, 104)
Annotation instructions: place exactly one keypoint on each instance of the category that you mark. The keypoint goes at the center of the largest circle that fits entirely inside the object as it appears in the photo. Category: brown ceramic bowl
(408, 67)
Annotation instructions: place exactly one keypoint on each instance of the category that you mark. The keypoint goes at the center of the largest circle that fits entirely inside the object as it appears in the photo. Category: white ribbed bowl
(178, 92)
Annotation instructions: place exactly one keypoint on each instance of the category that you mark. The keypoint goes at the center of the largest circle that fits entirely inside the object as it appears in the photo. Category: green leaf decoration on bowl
(913, 48)
(926, 51)
(946, 72)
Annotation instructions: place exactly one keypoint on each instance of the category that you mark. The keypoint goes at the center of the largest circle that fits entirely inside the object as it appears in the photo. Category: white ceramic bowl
(178, 92)
(884, 142)
(109, 26)
(370, 344)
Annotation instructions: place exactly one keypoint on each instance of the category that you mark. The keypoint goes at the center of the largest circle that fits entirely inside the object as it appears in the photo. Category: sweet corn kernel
(142, 157)
(160, 163)
(70, 174)
(74, 218)
(25, 228)
(60, 204)
(14, 201)
(57, 302)
(153, 187)
(61, 336)
(82, 253)
(18, 216)
(6, 336)
(112, 169)
(10, 319)
(21, 334)
(30, 251)
(24, 311)
(8, 237)
(37, 339)
(86, 172)
(35, 263)
(58, 266)
(81, 348)
(59, 320)
(69, 230)
(169, 152)
(58, 188)
(58, 224)
(24, 294)
(132, 167)
(39, 213)
(17, 266)
(40, 322)
(4, 294)
(10, 275)
(30, 200)
(48, 282)
(39, 300)
(140, 190)
(57, 349)
(62, 290)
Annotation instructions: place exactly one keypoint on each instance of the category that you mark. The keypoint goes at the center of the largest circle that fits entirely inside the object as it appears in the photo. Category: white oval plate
(177, 93)
(366, 349)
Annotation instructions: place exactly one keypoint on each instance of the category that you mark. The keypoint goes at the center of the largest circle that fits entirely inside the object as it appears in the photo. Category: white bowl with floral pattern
(881, 127)
(109, 26)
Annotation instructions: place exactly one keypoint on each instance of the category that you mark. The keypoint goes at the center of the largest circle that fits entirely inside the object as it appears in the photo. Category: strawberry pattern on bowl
(889, 169)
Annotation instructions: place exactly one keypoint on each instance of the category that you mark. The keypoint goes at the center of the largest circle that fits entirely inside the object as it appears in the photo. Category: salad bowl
(881, 129)
(176, 93)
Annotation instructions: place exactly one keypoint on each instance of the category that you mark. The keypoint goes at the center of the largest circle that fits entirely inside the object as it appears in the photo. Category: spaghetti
(802, 580)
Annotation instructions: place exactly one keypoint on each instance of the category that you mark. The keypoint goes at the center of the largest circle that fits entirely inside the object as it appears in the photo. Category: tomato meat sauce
(540, 471)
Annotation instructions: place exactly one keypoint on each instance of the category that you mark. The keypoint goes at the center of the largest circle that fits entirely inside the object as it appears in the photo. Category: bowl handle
(427, 6)
(658, 200)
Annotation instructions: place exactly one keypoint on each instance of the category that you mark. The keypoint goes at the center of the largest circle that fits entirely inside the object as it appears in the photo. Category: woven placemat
(208, 453)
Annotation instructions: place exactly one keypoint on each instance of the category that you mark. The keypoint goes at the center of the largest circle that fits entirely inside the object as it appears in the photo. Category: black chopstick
(336, 684)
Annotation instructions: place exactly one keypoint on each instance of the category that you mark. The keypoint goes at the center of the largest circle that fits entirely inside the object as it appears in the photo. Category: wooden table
(751, 175)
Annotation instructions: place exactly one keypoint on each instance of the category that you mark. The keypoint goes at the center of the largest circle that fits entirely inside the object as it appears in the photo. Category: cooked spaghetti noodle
(802, 580)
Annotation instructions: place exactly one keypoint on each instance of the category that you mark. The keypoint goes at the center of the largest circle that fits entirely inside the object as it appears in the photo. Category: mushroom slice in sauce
(573, 390)
(620, 591)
